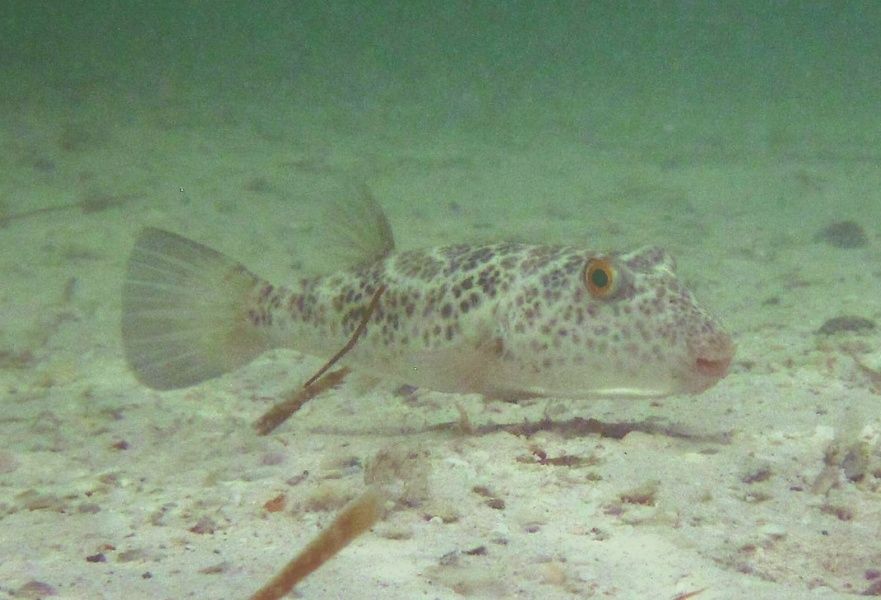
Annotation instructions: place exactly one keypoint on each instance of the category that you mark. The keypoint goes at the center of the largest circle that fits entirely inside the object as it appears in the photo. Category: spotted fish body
(506, 320)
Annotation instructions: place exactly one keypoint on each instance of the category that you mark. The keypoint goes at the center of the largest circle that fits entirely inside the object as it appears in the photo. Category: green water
(680, 80)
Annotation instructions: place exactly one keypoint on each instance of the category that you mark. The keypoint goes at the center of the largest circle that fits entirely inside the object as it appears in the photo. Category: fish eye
(600, 277)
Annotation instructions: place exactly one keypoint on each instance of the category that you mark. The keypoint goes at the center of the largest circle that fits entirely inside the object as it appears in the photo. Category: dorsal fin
(357, 229)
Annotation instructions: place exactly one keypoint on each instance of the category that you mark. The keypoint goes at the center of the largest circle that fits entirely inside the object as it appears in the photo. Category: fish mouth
(711, 362)
(713, 368)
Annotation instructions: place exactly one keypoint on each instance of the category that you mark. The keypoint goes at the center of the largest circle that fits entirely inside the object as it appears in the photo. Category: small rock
(843, 234)
(846, 323)
(35, 590)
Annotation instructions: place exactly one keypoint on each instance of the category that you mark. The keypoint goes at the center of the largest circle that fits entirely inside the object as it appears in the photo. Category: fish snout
(711, 355)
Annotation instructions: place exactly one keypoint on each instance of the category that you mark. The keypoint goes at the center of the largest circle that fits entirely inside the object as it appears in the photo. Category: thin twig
(283, 411)
(362, 325)
(356, 518)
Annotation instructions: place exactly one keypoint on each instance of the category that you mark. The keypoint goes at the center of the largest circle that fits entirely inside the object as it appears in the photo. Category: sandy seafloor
(111, 490)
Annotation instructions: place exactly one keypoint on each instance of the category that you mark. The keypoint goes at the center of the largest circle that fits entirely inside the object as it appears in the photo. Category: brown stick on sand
(362, 325)
(295, 399)
(354, 519)
(318, 383)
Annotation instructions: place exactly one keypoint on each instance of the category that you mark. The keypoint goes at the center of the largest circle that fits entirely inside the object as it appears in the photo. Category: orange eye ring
(600, 277)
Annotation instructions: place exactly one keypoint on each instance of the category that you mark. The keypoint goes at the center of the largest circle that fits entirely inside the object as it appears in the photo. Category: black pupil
(599, 278)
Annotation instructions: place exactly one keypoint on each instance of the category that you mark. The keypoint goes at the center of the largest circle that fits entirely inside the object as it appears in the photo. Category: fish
(508, 320)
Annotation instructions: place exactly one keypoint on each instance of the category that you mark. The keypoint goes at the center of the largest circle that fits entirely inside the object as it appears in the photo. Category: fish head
(612, 325)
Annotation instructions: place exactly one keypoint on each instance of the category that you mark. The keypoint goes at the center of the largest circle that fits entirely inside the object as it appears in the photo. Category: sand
(768, 485)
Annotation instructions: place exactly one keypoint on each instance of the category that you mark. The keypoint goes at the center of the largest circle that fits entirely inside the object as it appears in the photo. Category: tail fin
(184, 312)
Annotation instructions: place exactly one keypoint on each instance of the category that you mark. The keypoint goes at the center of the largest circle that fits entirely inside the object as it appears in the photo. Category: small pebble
(873, 590)
(843, 234)
(846, 323)
(35, 589)
(258, 185)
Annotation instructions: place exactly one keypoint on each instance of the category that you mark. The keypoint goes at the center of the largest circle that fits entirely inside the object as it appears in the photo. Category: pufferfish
(506, 320)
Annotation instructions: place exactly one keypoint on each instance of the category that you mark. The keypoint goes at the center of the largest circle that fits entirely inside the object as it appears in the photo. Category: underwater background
(743, 136)
(677, 80)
